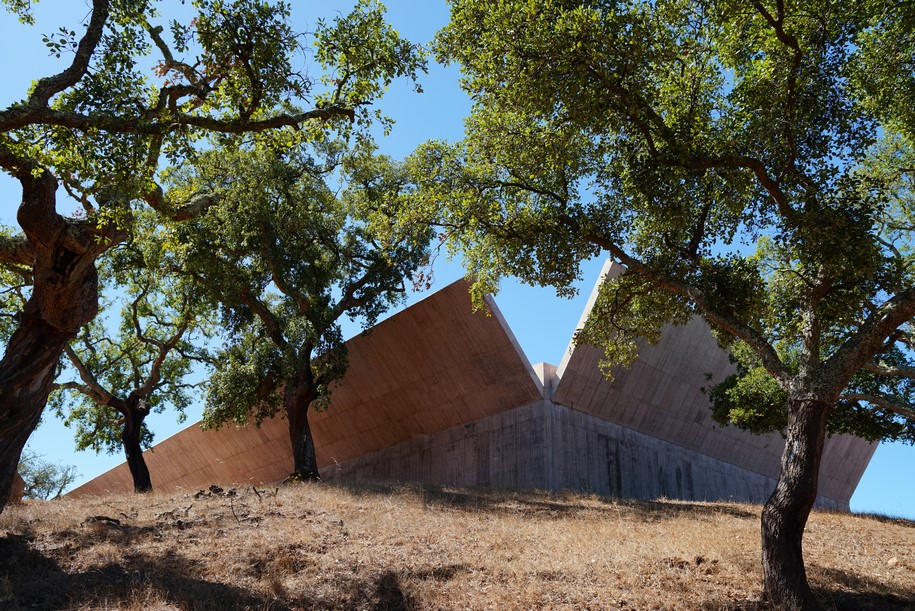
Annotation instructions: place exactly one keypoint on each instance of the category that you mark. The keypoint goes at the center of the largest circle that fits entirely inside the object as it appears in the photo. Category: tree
(44, 480)
(118, 378)
(748, 162)
(99, 127)
(288, 258)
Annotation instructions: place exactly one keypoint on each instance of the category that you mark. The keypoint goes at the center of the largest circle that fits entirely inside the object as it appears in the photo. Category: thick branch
(265, 315)
(763, 348)
(741, 162)
(161, 122)
(882, 370)
(96, 391)
(196, 206)
(870, 338)
(882, 402)
(156, 34)
(16, 250)
(51, 85)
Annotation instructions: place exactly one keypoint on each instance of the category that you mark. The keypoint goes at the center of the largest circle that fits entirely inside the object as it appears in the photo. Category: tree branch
(265, 315)
(763, 348)
(97, 392)
(16, 250)
(882, 402)
(882, 370)
(162, 121)
(196, 206)
(51, 85)
(870, 338)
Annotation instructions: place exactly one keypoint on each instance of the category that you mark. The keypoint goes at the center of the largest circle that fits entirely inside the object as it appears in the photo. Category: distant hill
(321, 546)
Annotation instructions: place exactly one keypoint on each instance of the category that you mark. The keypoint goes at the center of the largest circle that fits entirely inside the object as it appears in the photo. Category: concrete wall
(661, 395)
(431, 367)
(551, 447)
(439, 394)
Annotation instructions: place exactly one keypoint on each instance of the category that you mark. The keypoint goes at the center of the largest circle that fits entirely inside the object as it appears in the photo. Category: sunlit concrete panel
(433, 366)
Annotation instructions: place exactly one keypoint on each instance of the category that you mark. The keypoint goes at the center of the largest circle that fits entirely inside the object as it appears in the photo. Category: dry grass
(319, 546)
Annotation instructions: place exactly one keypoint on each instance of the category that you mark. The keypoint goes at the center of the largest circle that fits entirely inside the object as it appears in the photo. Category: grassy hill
(320, 546)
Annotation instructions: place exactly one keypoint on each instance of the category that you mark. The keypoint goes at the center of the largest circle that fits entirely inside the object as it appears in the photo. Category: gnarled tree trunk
(785, 513)
(28, 366)
(130, 438)
(26, 375)
(64, 298)
(297, 401)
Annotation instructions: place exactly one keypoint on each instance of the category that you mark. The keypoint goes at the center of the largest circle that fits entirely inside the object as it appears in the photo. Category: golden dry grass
(320, 546)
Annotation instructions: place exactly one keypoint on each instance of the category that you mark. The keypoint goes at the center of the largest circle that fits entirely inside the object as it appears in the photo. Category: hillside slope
(320, 546)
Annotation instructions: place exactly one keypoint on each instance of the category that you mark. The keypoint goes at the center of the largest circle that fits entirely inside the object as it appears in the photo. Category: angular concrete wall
(439, 394)
(551, 447)
(661, 396)
(433, 366)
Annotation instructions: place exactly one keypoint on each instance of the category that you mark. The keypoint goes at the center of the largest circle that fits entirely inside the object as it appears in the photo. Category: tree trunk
(130, 438)
(64, 298)
(26, 375)
(785, 513)
(303, 445)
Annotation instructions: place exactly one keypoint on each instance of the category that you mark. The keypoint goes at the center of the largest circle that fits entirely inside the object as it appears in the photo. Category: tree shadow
(843, 591)
(541, 503)
(836, 590)
(31, 580)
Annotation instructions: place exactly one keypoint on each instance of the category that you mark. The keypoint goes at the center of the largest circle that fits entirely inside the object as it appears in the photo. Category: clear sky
(542, 322)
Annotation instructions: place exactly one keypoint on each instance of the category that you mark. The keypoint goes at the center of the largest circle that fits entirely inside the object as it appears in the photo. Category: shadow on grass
(842, 590)
(542, 504)
(836, 590)
(30, 579)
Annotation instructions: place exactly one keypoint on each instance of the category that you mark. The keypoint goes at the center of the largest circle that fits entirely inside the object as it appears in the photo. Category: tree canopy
(746, 162)
(126, 365)
(287, 257)
(140, 88)
(44, 480)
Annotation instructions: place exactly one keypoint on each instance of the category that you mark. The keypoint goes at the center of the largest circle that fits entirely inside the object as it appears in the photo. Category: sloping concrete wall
(439, 394)
(433, 366)
(661, 395)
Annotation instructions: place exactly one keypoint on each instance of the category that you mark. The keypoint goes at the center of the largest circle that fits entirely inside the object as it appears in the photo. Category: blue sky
(542, 322)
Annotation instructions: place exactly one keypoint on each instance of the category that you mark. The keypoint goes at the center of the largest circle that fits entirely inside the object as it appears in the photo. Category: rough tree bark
(297, 400)
(64, 298)
(785, 513)
(130, 438)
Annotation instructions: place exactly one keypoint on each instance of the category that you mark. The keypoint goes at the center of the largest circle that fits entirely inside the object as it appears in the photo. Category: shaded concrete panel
(433, 366)
(661, 395)
(548, 446)
(505, 450)
(591, 454)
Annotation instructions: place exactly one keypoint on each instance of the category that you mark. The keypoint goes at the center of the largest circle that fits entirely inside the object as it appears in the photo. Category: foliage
(746, 164)
(141, 358)
(137, 89)
(44, 480)
(287, 257)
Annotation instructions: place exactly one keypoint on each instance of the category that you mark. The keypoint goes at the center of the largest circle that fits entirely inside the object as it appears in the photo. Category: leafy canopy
(287, 254)
(140, 359)
(44, 480)
(745, 162)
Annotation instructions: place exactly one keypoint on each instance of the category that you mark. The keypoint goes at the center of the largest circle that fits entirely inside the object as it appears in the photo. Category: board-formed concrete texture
(441, 395)
(433, 366)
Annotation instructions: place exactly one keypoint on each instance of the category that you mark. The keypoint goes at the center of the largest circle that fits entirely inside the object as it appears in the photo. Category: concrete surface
(442, 395)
